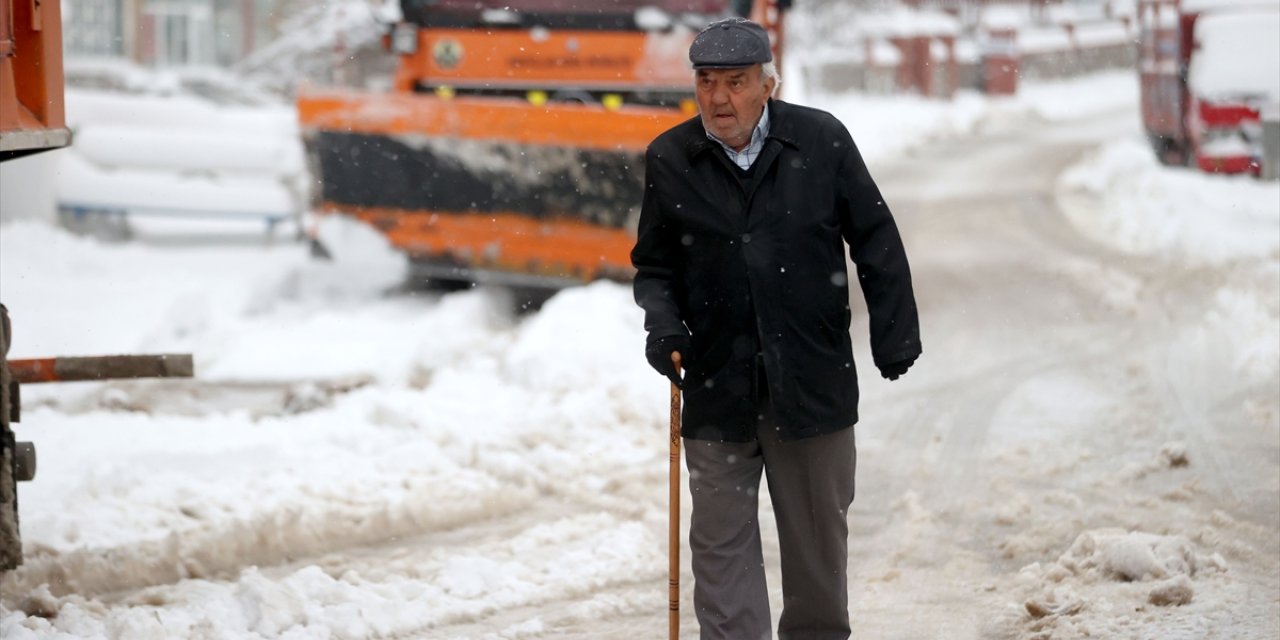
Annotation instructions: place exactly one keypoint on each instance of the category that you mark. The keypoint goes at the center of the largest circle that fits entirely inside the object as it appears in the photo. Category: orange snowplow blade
(569, 250)
(487, 188)
(511, 120)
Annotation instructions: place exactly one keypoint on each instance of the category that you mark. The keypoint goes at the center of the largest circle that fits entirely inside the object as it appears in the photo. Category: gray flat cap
(730, 43)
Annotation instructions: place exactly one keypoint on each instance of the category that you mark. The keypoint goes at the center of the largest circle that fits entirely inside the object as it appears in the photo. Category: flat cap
(730, 43)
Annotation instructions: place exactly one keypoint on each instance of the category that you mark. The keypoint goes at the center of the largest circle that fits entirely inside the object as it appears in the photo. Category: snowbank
(474, 412)
(885, 127)
(1122, 198)
(204, 300)
(1112, 579)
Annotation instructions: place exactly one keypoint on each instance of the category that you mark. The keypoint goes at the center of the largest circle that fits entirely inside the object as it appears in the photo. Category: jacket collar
(781, 128)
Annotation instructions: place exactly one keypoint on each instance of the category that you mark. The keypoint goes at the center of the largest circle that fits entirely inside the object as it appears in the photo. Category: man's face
(731, 101)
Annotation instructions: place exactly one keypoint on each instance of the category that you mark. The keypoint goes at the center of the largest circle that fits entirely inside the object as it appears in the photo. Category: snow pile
(1109, 571)
(1218, 227)
(564, 559)
(52, 279)
(885, 127)
(1122, 198)
(476, 413)
(1134, 556)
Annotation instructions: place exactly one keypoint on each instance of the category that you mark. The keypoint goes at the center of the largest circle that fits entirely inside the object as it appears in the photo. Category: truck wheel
(1169, 152)
(10, 541)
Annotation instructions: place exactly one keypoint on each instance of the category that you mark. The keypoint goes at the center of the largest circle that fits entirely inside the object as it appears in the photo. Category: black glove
(892, 370)
(659, 354)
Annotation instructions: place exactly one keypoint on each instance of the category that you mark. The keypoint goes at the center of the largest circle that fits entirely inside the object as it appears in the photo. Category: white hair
(770, 70)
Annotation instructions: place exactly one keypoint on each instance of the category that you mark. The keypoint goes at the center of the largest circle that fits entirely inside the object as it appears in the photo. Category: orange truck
(511, 147)
(1209, 70)
(31, 109)
(31, 120)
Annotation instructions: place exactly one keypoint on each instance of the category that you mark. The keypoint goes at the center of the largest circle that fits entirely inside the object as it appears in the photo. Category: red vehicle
(1208, 69)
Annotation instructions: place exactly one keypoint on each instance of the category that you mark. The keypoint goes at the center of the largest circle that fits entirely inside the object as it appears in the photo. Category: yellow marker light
(537, 98)
(612, 101)
(445, 91)
(688, 107)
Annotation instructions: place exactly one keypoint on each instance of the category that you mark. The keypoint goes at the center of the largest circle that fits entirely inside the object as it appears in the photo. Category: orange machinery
(31, 110)
(511, 147)
(31, 120)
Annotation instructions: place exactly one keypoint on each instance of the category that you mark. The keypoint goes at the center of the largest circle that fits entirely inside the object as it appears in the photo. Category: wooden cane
(673, 517)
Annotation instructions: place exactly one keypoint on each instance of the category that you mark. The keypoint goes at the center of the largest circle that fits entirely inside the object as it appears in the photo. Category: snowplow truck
(1209, 71)
(510, 149)
(32, 120)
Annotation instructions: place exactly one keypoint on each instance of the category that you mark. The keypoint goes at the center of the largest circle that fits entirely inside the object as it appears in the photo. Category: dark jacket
(749, 265)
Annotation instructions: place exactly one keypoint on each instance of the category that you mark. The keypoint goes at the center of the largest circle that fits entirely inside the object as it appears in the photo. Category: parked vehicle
(1209, 68)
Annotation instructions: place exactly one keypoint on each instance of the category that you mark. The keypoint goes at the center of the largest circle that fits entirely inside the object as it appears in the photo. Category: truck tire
(1169, 152)
(10, 541)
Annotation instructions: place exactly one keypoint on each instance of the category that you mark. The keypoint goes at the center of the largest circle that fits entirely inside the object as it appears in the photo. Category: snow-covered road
(1090, 446)
(1072, 388)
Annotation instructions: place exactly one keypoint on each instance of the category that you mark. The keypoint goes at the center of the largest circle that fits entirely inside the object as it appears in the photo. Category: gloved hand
(659, 354)
(893, 370)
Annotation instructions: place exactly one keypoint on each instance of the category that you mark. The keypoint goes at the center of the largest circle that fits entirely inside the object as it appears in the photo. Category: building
(168, 33)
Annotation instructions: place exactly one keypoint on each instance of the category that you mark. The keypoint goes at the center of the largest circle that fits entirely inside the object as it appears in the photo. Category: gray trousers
(811, 484)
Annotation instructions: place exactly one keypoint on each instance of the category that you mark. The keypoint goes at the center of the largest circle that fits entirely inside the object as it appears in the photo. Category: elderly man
(741, 271)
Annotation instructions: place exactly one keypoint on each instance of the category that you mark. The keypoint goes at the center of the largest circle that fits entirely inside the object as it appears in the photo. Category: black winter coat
(757, 266)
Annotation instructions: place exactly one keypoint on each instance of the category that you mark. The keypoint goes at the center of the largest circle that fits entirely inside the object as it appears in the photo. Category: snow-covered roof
(1238, 54)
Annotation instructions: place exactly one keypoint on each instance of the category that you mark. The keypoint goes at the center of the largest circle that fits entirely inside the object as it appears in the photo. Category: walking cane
(673, 517)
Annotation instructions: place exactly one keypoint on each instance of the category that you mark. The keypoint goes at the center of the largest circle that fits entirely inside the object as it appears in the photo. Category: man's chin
(724, 135)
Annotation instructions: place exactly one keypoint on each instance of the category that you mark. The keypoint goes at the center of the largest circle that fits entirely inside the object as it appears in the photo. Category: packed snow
(1121, 197)
(356, 461)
